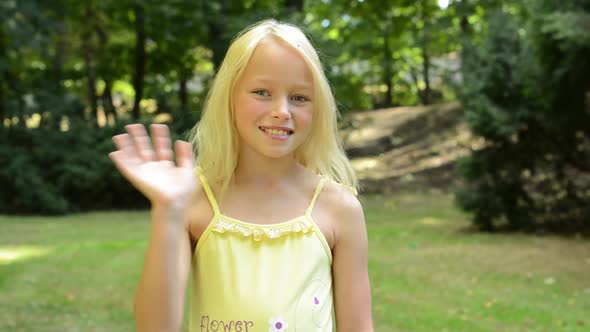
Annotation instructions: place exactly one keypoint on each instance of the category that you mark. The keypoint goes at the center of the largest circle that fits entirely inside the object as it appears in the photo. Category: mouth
(281, 132)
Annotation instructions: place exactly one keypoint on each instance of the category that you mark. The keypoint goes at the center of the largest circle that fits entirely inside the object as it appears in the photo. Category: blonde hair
(215, 136)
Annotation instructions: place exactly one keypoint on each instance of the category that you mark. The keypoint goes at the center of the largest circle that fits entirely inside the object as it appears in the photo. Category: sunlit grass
(428, 272)
(20, 253)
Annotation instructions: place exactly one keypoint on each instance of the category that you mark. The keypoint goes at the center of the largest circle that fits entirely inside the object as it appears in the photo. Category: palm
(151, 169)
(164, 179)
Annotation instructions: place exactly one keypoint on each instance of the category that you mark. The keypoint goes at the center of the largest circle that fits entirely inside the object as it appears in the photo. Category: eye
(300, 98)
(261, 92)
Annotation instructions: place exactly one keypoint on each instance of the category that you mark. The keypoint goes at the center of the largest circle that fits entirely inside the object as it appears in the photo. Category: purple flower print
(277, 324)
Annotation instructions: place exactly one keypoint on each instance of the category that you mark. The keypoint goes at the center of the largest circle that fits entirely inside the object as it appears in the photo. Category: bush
(53, 172)
(525, 91)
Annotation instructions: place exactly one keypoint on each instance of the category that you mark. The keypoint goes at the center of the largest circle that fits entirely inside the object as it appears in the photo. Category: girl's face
(273, 101)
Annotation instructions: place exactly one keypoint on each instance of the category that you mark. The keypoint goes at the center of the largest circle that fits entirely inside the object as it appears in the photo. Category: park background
(468, 123)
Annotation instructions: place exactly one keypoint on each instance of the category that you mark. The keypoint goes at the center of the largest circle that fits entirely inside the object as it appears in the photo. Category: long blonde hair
(215, 136)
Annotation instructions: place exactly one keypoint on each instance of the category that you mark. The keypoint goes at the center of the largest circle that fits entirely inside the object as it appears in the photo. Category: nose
(280, 109)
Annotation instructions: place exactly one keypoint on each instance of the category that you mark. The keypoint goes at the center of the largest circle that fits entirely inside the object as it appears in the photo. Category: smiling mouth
(276, 132)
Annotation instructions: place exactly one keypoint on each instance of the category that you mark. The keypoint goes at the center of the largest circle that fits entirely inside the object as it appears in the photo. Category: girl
(268, 221)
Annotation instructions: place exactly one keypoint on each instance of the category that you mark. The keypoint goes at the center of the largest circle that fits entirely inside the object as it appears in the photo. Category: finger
(184, 154)
(124, 143)
(141, 141)
(162, 143)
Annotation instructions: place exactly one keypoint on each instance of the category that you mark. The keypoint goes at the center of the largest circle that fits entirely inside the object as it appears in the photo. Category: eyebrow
(301, 85)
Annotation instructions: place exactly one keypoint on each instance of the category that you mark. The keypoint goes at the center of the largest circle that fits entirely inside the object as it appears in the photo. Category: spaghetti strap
(208, 191)
(318, 189)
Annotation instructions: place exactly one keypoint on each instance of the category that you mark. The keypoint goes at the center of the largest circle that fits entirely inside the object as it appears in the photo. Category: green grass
(428, 272)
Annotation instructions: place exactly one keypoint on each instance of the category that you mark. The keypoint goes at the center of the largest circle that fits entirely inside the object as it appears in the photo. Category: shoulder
(344, 208)
(341, 199)
(352, 291)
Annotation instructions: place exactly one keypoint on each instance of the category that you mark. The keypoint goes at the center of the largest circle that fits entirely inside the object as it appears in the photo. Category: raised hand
(151, 169)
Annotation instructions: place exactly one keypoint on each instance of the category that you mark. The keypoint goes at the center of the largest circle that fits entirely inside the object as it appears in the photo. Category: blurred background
(468, 123)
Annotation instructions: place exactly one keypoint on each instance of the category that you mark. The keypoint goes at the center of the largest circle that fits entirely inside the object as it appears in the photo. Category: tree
(384, 49)
(525, 92)
(140, 55)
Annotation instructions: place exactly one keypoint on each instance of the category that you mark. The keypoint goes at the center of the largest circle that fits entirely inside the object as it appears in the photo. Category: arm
(352, 292)
(159, 298)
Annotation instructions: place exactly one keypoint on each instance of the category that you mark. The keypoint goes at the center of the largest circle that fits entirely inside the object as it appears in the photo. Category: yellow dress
(248, 277)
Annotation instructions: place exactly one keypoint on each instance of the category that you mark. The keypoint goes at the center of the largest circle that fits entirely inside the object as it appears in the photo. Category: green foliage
(373, 51)
(74, 62)
(54, 172)
(25, 190)
(525, 91)
(383, 52)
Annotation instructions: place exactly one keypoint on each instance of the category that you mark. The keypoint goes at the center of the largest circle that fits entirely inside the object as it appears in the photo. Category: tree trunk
(217, 46)
(58, 61)
(217, 42)
(14, 82)
(2, 111)
(296, 5)
(183, 95)
(138, 75)
(387, 64)
(416, 80)
(463, 11)
(88, 61)
(425, 16)
(107, 101)
(106, 73)
(4, 78)
(426, 76)
(53, 120)
(9, 81)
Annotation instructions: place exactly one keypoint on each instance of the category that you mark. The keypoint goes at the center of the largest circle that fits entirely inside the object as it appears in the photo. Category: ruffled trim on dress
(258, 232)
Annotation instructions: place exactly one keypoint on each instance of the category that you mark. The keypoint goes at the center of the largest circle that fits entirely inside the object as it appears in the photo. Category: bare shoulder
(352, 292)
(344, 210)
(341, 200)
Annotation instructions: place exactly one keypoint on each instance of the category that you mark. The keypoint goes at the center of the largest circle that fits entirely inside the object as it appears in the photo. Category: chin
(279, 155)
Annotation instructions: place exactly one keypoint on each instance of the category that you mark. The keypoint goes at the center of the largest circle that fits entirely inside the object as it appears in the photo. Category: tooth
(275, 131)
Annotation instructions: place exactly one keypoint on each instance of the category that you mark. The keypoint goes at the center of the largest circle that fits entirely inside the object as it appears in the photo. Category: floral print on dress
(277, 324)
(314, 305)
(316, 300)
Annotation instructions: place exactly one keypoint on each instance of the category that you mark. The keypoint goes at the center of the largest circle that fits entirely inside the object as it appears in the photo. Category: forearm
(159, 298)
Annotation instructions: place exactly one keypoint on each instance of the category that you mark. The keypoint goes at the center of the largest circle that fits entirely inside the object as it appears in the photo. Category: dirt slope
(407, 147)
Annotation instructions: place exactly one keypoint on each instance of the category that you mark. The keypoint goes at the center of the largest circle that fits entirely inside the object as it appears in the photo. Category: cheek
(304, 118)
(255, 109)
(248, 109)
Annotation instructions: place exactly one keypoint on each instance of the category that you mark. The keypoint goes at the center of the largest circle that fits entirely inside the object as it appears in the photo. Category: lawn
(429, 272)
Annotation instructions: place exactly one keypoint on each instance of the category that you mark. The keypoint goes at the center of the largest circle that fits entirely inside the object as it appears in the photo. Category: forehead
(275, 61)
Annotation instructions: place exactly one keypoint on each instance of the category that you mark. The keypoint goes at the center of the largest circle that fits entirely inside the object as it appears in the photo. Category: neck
(267, 171)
